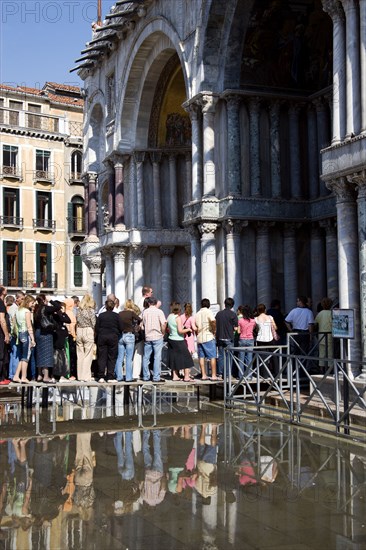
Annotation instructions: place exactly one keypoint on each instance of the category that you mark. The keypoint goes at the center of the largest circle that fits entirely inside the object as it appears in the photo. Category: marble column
(331, 258)
(348, 257)
(360, 179)
(263, 264)
(119, 258)
(363, 63)
(209, 169)
(334, 9)
(208, 263)
(254, 135)
(94, 263)
(132, 194)
(353, 86)
(137, 257)
(195, 267)
(119, 201)
(92, 209)
(290, 265)
(109, 272)
(155, 157)
(173, 190)
(139, 157)
(197, 145)
(313, 154)
(110, 202)
(86, 203)
(274, 113)
(188, 178)
(295, 159)
(167, 297)
(317, 248)
(233, 145)
(323, 132)
(233, 260)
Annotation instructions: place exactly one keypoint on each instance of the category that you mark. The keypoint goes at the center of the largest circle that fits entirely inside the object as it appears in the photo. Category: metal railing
(44, 175)
(76, 226)
(12, 221)
(28, 279)
(10, 171)
(48, 225)
(291, 387)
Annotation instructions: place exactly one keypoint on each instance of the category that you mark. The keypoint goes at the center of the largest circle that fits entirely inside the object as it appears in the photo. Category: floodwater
(237, 483)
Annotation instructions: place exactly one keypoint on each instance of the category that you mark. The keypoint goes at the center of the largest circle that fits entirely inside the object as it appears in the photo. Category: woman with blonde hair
(126, 343)
(85, 324)
(25, 334)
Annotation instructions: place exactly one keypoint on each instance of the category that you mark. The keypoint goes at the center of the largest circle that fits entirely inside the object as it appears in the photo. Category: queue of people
(48, 340)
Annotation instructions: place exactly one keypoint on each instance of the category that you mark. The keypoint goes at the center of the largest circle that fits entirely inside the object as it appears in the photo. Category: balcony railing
(11, 221)
(45, 225)
(32, 121)
(28, 279)
(75, 177)
(44, 176)
(76, 226)
(10, 172)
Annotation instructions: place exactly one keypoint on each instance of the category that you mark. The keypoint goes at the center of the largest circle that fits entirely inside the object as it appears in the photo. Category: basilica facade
(224, 152)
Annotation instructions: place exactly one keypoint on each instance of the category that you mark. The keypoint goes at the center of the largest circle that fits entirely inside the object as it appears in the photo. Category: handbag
(46, 322)
(275, 334)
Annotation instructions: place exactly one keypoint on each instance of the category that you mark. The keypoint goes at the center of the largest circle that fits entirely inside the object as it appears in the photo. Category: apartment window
(1, 110)
(44, 210)
(11, 206)
(78, 266)
(76, 163)
(10, 160)
(12, 260)
(15, 107)
(43, 265)
(34, 121)
(42, 164)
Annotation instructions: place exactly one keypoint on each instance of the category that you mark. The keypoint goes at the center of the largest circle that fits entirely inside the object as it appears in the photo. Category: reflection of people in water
(18, 505)
(84, 494)
(128, 491)
(154, 486)
(181, 459)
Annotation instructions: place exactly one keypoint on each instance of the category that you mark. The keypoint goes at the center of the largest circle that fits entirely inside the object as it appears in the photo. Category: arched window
(76, 166)
(78, 266)
(75, 216)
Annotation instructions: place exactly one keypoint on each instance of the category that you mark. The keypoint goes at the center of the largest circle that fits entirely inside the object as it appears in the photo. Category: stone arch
(155, 45)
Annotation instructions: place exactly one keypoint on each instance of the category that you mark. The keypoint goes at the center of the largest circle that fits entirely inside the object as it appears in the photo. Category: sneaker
(111, 381)
(101, 381)
(4, 382)
(160, 381)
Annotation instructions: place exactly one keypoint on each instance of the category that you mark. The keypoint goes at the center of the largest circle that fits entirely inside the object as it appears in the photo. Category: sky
(40, 39)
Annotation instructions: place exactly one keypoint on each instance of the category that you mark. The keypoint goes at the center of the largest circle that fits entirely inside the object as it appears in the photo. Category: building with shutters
(224, 152)
(42, 220)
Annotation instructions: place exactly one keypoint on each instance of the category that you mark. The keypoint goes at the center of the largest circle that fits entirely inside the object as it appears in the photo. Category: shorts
(207, 350)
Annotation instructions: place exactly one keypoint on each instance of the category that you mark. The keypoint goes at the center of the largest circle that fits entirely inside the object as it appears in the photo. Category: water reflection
(244, 483)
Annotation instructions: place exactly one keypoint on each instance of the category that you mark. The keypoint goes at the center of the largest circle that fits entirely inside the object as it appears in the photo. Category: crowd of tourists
(51, 340)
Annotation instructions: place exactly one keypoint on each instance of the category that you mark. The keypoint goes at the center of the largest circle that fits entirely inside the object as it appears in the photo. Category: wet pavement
(235, 482)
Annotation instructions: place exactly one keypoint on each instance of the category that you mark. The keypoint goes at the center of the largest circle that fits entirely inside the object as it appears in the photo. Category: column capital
(316, 229)
(138, 251)
(343, 190)
(119, 254)
(263, 227)
(139, 156)
(254, 104)
(320, 104)
(207, 228)
(329, 226)
(234, 227)
(208, 103)
(155, 156)
(290, 229)
(295, 108)
(93, 263)
(274, 108)
(193, 109)
(334, 9)
(91, 177)
(233, 100)
(167, 251)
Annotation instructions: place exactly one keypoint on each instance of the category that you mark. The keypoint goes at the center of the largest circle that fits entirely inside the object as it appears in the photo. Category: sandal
(39, 378)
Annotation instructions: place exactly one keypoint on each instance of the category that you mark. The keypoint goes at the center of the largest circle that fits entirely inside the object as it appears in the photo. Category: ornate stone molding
(208, 102)
(138, 251)
(119, 254)
(139, 156)
(334, 9)
(263, 227)
(155, 156)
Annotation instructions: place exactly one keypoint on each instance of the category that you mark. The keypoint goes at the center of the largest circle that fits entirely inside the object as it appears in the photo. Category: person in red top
(246, 339)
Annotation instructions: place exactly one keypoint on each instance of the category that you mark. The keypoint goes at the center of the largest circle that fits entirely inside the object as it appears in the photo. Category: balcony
(35, 123)
(28, 279)
(43, 176)
(76, 227)
(44, 225)
(75, 177)
(10, 172)
(11, 221)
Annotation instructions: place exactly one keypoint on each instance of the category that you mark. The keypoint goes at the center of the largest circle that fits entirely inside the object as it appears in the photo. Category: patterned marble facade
(224, 152)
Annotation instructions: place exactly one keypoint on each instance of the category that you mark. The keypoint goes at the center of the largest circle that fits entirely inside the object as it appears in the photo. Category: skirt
(44, 350)
(179, 356)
